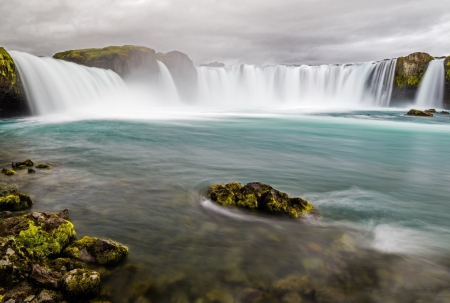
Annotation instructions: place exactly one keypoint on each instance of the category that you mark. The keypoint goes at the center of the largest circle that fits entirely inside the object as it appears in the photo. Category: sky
(233, 31)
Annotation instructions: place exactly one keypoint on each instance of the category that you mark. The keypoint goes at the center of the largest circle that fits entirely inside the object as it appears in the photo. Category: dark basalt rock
(95, 250)
(259, 196)
(416, 112)
(44, 277)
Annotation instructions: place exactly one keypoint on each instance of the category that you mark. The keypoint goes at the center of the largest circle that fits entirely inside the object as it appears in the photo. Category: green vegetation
(258, 196)
(8, 172)
(15, 201)
(43, 166)
(81, 282)
(447, 68)
(410, 70)
(7, 70)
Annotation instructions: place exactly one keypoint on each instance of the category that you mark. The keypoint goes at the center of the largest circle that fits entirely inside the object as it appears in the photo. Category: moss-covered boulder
(126, 61)
(409, 72)
(8, 172)
(416, 112)
(44, 234)
(15, 200)
(43, 166)
(81, 283)
(95, 250)
(26, 163)
(259, 196)
(15, 262)
(12, 98)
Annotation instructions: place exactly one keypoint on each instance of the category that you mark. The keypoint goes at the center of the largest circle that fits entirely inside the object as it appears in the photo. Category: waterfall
(348, 85)
(431, 89)
(54, 85)
(168, 89)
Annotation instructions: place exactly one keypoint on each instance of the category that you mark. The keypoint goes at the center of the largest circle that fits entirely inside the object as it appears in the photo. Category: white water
(431, 89)
(54, 85)
(168, 88)
(349, 85)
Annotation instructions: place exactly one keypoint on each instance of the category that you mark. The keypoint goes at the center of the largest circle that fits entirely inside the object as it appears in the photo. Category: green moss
(15, 201)
(46, 243)
(8, 76)
(101, 251)
(410, 70)
(43, 166)
(25, 163)
(447, 68)
(81, 283)
(224, 193)
(8, 172)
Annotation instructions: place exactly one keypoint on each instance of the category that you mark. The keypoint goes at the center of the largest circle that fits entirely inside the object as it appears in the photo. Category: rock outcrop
(127, 61)
(422, 113)
(409, 72)
(182, 70)
(213, 64)
(12, 98)
(447, 83)
(258, 196)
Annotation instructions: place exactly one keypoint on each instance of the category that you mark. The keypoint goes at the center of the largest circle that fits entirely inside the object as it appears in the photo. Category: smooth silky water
(379, 179)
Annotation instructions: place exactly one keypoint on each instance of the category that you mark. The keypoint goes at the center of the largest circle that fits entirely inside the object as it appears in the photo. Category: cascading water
(431, 89)
(53, 85)
(348, 85)
(168, 89)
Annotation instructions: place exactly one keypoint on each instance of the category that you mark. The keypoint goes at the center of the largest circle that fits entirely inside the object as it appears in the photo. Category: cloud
(258, 32)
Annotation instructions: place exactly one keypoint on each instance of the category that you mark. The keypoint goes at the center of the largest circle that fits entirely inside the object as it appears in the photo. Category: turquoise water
(379, 179)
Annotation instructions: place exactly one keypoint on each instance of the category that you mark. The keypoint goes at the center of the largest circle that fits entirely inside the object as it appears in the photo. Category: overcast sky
(233, 31)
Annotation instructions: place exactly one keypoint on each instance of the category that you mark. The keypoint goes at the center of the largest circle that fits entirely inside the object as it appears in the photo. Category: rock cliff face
(127, 61)
(447, 82)
(182, 70)
(213, 64)
(12, 98)
(409, 71)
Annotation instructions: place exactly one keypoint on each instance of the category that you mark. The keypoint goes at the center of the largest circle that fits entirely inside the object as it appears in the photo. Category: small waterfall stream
(431, 89)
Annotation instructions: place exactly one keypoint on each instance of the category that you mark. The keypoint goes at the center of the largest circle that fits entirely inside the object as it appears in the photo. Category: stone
(81, 283)
(19, 293)
(26, 163)
(47, 296)
(15, 264)
(95, 250)
(43, 166)
(249, 295)
(218, 296)
(213, 64)
(44, 277)
(8, 172)
(45, 234)
(416, 112)
(30, 170)
(15, 201)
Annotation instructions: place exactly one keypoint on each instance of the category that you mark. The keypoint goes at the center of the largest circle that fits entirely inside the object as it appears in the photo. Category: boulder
(13, 201)
(95, 250)
(8, 172)
(44, 234)
(12, 98)
(258, 196)
(81, 283)
(15, 262)
(22, 292)
(42, 276)
(416, 112)
(43, 166)
(47, 296)
(409, 72)
(25, 163)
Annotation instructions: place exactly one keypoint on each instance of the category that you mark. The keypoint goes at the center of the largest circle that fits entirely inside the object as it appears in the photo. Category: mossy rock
(15, 201)
(447, 68)
(416, 112)
(81, 283)
(410, 70)
(8, 172)
(43, 166)
(44, 234)
(95, 250)
(258, 196)
(25, 163)
(15, 262)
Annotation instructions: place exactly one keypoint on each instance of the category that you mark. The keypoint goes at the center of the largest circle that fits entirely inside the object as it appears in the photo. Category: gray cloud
(233, 31)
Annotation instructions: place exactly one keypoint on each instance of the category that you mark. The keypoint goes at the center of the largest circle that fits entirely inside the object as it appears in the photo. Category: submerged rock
(25, 163)
(13, 201)
(416, 112)
(43, 166)
(256, 195)
(95, 250)
(45, 234)
(81, 283)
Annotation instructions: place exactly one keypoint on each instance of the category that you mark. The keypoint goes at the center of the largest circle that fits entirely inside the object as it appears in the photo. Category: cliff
(409, 72)
(12, 98)
(127, 61)
(447, 82)
(182, 70)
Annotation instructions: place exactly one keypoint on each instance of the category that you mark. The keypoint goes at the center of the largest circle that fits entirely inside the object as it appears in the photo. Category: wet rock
(95, 250)
(41, 166)
(431, 110)
(218, 296)
(19, 293)
(15, 264)
(63, 265)
(47, 296)
(64, 214)
(81, 283)
(294, 283)
(444, 112)
(416, 112)
(15, 201)
(328, 295)
(31, 171)
(8, 172)
(291, 297)
(25, 163)
(249, 295)
(45, 234)
(256, 195)
(44, 277)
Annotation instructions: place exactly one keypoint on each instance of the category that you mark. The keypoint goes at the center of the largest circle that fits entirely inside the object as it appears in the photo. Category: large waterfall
(53, 85)
(431, 89)
(348, 85)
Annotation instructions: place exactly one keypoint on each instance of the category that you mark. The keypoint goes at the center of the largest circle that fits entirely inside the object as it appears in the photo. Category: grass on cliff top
(100, 54)
(7, 69)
